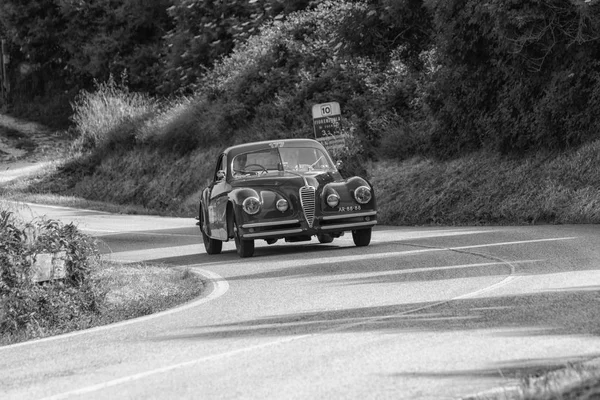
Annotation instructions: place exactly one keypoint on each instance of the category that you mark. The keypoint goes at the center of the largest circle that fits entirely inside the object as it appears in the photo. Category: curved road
(422, 313)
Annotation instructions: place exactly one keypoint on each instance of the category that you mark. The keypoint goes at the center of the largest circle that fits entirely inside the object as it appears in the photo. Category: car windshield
(300, 159)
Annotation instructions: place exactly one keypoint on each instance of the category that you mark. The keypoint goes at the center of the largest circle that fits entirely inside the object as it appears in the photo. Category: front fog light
(333, 200)
(251, 205)
(362, 194)
(282, 205)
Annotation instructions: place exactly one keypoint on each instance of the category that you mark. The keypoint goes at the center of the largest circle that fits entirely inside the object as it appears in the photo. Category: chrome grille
(307, 198)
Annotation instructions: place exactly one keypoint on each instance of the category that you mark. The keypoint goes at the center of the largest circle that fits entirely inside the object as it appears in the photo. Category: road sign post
(327, 118)
(3, 69)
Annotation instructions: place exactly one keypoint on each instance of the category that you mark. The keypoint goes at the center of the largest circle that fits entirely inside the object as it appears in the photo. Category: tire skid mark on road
(511, 276)
(219, 287)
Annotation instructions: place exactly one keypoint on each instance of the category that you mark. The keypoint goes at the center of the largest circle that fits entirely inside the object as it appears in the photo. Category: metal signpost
(4, 60)
(326, 123)
(3, 71)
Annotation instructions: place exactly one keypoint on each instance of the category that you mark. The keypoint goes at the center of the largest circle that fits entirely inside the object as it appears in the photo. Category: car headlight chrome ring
(251, 205)
(362, 194)
(282, 205)
(333, 200)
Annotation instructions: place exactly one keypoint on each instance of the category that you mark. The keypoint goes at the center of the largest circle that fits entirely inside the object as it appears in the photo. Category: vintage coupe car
(282, 189)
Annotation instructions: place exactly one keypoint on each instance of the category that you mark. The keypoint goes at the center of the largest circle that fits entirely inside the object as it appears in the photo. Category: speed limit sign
(326, 110)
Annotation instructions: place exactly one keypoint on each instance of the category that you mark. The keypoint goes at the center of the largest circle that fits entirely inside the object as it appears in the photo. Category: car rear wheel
(325, 238)
(245, 248)
(212, 246)
(362, 237)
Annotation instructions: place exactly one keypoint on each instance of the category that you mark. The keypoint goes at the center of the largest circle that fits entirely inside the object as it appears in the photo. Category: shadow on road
(548, 313)
(516, 369)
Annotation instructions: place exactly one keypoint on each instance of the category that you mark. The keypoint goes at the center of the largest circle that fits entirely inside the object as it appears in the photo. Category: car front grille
(307, 198)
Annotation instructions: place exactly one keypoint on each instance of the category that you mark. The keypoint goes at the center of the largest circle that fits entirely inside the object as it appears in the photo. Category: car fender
(203, 212)
(345, 190)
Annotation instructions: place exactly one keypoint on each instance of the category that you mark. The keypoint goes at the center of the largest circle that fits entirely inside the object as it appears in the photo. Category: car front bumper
(299, 227)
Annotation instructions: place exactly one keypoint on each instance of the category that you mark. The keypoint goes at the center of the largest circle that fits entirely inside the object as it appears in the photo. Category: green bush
(28, 307)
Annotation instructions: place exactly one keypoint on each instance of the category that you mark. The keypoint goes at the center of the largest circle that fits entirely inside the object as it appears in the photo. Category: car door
(217, 201)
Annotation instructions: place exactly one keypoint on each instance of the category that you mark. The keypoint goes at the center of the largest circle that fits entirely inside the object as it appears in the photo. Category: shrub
(37, 308)
(112, 115)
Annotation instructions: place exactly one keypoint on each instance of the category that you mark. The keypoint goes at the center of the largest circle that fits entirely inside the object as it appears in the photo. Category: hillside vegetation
(459, 111)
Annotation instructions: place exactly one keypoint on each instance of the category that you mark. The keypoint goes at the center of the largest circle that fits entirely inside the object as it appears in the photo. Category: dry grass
(133, 290)
(485, 188)
(128, 291)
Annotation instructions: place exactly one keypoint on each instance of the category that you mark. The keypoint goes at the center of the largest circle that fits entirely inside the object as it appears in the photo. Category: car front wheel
(212, 246)
(245, 248)
(362, 237)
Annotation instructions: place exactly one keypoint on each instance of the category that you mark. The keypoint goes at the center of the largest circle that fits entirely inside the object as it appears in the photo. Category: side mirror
(220, 175)
(339, 164)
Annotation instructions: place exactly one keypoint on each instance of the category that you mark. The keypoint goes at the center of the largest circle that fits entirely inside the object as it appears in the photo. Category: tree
(34, 27)
(515, 75)
(206, 30)
(71, 43)
(112, 37)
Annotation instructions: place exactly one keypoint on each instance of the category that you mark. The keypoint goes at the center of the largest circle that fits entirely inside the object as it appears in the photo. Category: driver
(290, 161)
(239, 164)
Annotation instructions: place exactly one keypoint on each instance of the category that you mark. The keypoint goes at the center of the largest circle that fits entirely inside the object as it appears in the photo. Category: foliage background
(437, 77)
(155, 88)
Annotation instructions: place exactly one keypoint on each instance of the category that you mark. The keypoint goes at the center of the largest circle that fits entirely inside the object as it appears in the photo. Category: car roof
(268, 144)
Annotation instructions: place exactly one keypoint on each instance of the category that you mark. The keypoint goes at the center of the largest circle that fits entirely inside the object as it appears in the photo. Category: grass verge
(125, 291)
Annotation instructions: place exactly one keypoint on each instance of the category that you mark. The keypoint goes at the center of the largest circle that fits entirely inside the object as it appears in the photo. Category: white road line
(106, 232)
(53, 207)
(513, 243)
(390, 254)
(446, 267)
(220, 287)
(154, 253)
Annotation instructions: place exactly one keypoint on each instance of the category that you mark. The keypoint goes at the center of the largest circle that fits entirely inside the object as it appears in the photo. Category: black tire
(362, 237)
(245, 248)
(325, 238)
(212, 246)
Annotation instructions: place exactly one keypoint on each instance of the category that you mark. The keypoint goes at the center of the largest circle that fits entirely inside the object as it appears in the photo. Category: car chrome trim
(349, 225)
(274, 223)
(307, 199)
(271, 233)
(363, 214)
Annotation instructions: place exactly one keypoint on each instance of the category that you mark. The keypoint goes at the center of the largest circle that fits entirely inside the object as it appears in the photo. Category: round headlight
(251, 205)
(282, 205)
(362, 194)
(333, 200)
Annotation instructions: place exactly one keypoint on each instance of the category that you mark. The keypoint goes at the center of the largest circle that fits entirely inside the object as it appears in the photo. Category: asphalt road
(422, 313)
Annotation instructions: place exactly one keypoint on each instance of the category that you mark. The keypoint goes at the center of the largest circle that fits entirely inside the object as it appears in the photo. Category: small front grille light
(282, 205)
(362, 194)
(251, 205)
(333, 200)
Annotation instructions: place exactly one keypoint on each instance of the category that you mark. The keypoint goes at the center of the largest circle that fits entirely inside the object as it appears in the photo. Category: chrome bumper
(293, 227)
